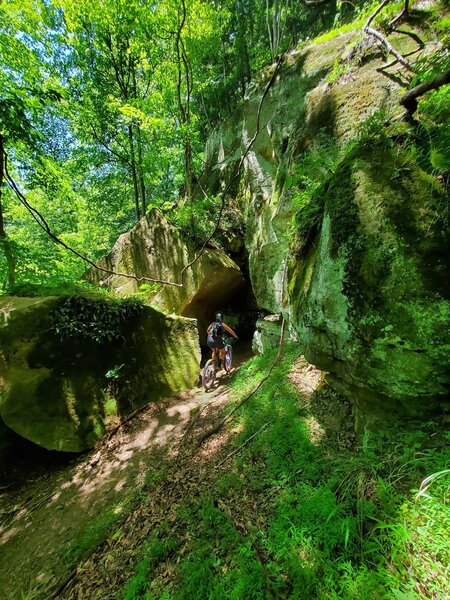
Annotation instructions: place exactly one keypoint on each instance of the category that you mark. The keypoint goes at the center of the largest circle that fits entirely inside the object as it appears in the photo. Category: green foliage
(60, 288)
(339, 69)
(311, 170)
(314, 170)
(157, 549)
(94, 534)
(197, 221)
(430, 65)
(434, 114)
(336, 31)
(99, 321)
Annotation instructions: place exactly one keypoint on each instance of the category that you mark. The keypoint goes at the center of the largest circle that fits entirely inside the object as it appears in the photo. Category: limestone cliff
(346, 230)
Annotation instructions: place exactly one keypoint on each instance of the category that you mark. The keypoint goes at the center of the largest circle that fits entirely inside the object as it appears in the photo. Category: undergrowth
(94, 534)
(298, 516)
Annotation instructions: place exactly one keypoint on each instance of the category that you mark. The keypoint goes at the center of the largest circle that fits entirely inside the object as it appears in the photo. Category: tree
(26, 89)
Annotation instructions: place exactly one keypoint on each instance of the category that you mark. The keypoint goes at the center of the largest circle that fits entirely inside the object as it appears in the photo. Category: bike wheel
(208, 374)
(228, 360)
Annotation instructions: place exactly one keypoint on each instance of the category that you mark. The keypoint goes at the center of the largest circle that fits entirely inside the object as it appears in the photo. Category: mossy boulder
(53, 389)
(360, 227)
(369, 297)
(155, 249)
(268, 333)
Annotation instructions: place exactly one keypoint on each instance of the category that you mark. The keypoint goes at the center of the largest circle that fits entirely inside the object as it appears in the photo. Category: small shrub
(99, 321)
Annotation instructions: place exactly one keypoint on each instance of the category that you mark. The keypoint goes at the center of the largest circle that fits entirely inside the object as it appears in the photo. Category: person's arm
(225, 326)
(209, 330)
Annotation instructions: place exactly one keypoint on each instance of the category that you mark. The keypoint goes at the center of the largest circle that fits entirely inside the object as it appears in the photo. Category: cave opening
(233, 297)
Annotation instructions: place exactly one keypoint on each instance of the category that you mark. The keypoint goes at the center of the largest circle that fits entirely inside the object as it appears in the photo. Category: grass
(290, 517)
(335, 32)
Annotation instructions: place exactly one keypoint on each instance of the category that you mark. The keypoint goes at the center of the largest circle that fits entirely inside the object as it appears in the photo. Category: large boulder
(53, 391)
(364, 289)
(369, 296)
(155, 249)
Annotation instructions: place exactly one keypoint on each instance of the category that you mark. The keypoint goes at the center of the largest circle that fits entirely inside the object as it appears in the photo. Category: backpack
(216, 331)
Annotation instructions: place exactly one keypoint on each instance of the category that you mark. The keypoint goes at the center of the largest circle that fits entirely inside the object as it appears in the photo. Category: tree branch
(399, 17)
(376, 34)
(238, 171)
(40, 220)
(409, 98)
(124, 159)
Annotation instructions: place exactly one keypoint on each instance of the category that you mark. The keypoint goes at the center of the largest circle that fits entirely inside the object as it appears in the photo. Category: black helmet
(219, 316)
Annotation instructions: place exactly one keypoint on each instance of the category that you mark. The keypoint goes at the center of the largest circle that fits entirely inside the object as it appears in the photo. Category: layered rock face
(155, 249)
(345, 232)
(53, 390)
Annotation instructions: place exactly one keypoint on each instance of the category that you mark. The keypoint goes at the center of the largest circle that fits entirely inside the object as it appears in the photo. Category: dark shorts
(215, 343)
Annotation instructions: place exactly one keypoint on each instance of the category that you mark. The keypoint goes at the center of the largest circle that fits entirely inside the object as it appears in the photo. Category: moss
(368, 295)
(338, 31)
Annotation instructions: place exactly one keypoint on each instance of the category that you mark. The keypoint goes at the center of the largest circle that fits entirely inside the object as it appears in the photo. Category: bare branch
(399, 17)
(40, 220)
(376, 34)
(99, 140)
(238, 171)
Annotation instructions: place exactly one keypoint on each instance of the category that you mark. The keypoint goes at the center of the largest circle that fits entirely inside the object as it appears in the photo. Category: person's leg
(221, 349)
(212, 345)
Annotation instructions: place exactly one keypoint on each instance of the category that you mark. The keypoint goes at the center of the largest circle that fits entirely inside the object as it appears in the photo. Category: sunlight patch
(306, 377)
(316, 431)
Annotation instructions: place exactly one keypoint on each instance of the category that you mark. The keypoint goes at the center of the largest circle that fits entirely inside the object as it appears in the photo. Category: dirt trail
(50, 513)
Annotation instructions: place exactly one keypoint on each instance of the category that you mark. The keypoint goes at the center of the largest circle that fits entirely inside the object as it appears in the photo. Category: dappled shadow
(271, 507)
(49, 508)
(50, 502)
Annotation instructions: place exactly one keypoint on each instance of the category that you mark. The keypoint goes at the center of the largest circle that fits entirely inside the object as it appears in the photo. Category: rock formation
(53, 391)
(155, 249)
(345, 229)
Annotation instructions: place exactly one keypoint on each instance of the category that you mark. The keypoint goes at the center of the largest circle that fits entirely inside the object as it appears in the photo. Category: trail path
(44, 516)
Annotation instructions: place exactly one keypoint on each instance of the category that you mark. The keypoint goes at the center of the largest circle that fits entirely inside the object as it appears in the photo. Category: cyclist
(214, 337)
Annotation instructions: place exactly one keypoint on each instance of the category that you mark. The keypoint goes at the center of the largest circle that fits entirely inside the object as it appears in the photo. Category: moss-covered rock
(53, 390)
(370, 301)
(155, 249)
(267, 334)
(351, 212)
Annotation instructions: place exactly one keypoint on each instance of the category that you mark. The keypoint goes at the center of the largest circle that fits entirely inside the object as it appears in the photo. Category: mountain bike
(212, 366)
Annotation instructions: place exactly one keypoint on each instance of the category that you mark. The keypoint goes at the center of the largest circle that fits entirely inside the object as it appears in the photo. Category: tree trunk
(4, 240)
(244, 70)
(183, 69)
(140, 170)
(188, 168)
(133, 172)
